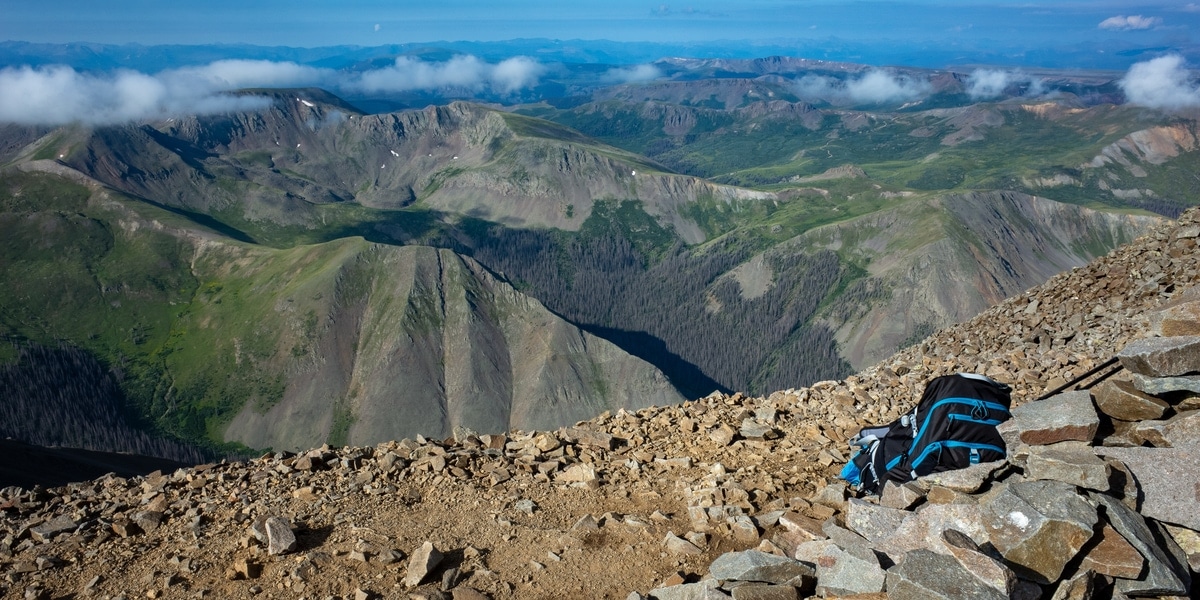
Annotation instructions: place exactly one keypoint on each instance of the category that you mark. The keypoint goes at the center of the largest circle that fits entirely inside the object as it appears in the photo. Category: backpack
(952, 427)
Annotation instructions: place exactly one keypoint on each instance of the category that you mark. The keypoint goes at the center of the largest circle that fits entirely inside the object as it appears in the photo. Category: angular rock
(705, 590)
(752, 429)
(579, 472)
(872, 521)
(1183, 430)
(1113, 555)
(901, 496)
(842, 573)
(46, 531)
(147, 520)
(1080, 587)
(809, 552)
(1121, 400)
(1166, 568)
(1069, 462)
(753, 565)
(1168, 479)
(967, 480)
(423, 561)
(832, 495)
(808, 527)
(280, 538)
(1064, 417)
(1159, 386)
(1189, 543)
(1162, 356)
(923, 574)
(985, 568)
(1038, 526)
(679, 546)
(587, 437)
(1176, 320)
(765, 591)
(923, 529)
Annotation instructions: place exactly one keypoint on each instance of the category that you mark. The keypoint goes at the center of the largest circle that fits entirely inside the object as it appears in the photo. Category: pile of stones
(1097, 499)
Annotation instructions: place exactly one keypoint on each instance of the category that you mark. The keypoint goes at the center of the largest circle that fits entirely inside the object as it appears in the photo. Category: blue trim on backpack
(970, 401)
(953, 444)
(958, 417)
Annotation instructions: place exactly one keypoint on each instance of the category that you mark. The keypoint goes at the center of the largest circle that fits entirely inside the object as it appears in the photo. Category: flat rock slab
(1114, 556)
(1162, 356)
(1061, 418)
(754, 565)
(1121, 400)
(1069, 462)
(842, 573)
(872, 521)
(1169, 479)
(967, 480)
(1161, 386)
(928, 575)
(923, 529)
(705, 590)
(1039, 526)
(1167, 572)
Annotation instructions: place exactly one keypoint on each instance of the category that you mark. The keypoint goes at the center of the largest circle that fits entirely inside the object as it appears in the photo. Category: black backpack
(953, 426)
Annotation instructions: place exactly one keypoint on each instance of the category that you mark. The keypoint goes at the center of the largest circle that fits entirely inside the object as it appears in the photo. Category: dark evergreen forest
(64, 397)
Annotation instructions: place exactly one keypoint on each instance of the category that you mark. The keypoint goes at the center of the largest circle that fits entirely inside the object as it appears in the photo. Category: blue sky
(310, 23)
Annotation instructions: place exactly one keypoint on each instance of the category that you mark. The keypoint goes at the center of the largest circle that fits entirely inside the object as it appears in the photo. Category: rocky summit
(726, 496)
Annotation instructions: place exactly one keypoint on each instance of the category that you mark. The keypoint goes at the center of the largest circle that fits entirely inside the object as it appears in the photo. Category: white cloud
(990, 83)
(516, 73)
(876, 86)
(459, 72)
(57, 95)
(1124, 23)
(632, 74)
(879, 86)
(1163, 82)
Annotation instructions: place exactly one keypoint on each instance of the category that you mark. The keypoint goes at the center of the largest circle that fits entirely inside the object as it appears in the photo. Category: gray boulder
(1162, 356)
(1168, 479)
(872, 521)
(1165, 385)
(1069, 462)
(842, 573)
(1064, 417)
(754, 565)
(928, 575)
(1039, 526)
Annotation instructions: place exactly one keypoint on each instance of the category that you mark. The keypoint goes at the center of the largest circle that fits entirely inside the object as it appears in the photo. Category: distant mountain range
(312, 272)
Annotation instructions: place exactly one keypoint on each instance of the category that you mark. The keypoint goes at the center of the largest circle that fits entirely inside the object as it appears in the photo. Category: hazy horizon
(1023, 32)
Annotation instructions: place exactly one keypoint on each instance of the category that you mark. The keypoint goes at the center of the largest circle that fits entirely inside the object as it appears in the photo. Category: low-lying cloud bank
(58, 95)
(876, 86)
(1130, 23)
(634, 74)
(1163, 83)
(991, 83)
